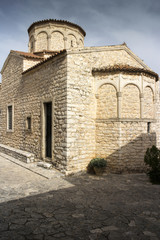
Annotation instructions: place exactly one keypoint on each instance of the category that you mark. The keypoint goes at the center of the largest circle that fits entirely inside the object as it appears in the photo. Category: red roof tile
(126, 68)
(27, 54)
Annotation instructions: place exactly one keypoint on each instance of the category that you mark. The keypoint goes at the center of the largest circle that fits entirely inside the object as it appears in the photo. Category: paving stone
(150, 234)
(115, 235)
(80, 215)
(132, 223)
(77, 207)
(3, 227)
(98, 230)
(109, 228)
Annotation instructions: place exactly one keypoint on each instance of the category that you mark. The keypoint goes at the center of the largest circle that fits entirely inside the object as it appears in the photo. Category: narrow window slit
(148, 127)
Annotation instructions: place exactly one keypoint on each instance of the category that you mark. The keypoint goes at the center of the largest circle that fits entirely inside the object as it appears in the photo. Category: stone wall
(28, 92)
(28, 63)
(157, 115)
(0, 112)
(11, 80)
(123, 144)
(47, 83)
(105, 111)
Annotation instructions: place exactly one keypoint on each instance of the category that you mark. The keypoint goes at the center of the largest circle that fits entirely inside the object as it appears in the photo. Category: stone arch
(71, 41)
(81, 43)
(42, 41)
(57, 40)
(100, 84)
(130, 101)
(132, 84)
(31, 44)
(148, 103)
(150, 88)
(107, 102)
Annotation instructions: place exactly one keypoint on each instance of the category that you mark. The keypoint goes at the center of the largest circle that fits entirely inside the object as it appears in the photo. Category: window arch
(42, 41)
(71, 41)
(57, 41)
(130, 101)
(148, 103)
(31, 44)
(81, 43)
(106, 102)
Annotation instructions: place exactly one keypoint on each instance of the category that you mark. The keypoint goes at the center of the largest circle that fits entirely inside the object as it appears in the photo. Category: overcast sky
(106, 22)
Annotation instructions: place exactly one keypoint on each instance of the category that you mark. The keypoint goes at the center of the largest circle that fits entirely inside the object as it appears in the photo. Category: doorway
(48, 129)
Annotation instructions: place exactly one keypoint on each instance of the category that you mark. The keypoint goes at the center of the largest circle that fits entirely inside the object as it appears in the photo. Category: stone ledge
(126, 120)
(18, 154)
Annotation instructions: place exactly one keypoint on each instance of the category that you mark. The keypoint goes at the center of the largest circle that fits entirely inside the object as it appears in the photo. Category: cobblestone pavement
(113, 207)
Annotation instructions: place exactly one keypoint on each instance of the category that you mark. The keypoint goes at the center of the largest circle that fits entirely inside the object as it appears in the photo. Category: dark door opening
(48, 116)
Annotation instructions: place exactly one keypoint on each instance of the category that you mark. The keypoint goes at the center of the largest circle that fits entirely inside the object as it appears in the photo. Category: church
(64, 103)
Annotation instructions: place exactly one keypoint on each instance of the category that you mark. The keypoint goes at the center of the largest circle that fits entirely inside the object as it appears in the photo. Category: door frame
(43, 128)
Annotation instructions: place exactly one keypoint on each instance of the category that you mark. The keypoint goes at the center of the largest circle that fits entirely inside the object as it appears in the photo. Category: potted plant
(97, 166)
(152, 159)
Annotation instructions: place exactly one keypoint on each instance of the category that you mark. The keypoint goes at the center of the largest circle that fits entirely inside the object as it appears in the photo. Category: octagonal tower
(55, 35)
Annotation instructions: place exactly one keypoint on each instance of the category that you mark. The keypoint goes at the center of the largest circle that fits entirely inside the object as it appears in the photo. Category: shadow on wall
(130, 156)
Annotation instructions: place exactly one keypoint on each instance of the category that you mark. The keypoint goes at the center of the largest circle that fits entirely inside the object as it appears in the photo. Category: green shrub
(96, 162)
(152, 158)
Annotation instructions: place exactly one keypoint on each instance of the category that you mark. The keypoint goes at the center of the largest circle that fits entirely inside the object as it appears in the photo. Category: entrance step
(18, 154)
(44, 165)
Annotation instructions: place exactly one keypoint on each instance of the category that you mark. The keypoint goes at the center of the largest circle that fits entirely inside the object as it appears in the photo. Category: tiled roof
(56, 21)
(27, 54)
(40, 63)
(126, 68)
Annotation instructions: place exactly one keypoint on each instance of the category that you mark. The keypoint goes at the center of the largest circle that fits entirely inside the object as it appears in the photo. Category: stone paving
(113, 207)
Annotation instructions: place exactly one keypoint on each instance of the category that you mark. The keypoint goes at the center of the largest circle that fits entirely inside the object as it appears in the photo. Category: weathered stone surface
(110, 114)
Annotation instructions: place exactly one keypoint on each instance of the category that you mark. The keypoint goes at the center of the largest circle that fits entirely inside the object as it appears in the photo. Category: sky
(106, 22)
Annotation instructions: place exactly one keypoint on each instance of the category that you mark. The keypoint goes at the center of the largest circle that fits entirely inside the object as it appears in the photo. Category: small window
(28, 123)
(148, 127)
(10, 118)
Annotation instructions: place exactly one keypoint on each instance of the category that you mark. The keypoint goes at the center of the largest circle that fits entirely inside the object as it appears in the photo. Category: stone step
(18, 154)
(44, 165)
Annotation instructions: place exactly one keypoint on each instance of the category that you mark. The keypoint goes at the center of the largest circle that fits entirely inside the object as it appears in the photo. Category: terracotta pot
(99, 171)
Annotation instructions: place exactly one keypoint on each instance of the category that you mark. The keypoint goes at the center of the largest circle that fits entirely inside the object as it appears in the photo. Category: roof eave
(56, 21)
(129, 70)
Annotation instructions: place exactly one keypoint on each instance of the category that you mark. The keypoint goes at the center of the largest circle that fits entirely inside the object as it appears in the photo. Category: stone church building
(66, 103)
